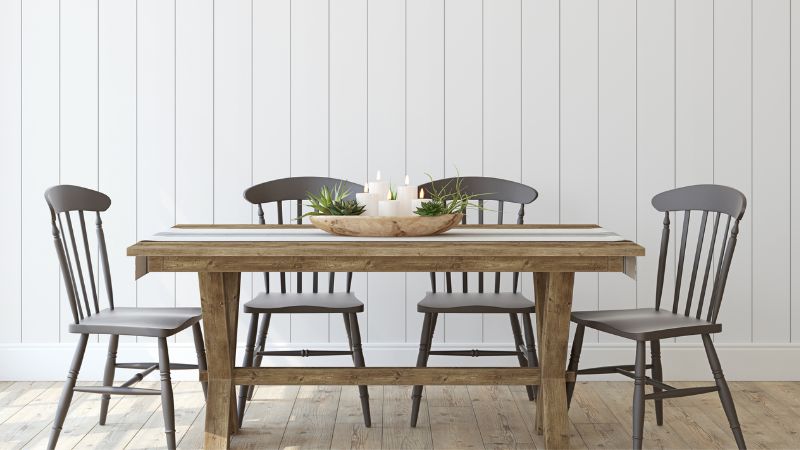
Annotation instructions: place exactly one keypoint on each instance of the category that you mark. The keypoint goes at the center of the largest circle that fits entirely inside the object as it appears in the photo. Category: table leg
(552, 402)
(540, 282)
(219, 295)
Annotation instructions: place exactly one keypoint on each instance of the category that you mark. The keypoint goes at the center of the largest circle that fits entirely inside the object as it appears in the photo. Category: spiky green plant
(333, 202)
(447, 200)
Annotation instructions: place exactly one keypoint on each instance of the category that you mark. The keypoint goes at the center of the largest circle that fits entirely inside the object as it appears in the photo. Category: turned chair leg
(638, 395)
(358, 361)
(247, 362)
(200, 349)
(655, 356)
(574, 358)
(518, 344)
(108, 375)
(67, 391)
(530, 348)
(167, 402)
(724, 391)
(261, 345)
(354, 336)
(428, 327)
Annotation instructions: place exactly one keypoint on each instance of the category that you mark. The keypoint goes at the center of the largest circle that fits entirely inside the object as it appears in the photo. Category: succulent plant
(447, 200)
(333, 202)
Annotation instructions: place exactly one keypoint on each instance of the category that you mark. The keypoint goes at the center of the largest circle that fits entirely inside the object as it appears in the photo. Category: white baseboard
(682, 361)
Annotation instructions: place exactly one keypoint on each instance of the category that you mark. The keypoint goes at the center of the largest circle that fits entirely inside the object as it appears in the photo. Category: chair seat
(644, 324)
(153, 322)
(475, 303)
(323, 302)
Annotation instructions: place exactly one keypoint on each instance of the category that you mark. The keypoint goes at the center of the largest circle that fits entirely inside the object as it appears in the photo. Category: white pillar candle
(378, 187)
(370, 202)
(388, 207)
(405, 194)
(417, 202)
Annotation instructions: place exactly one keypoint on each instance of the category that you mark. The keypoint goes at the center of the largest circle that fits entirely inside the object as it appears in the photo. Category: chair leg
(67, 391)
(530, 347)
(518, 342)
(655, 356)
(638, 395)
(247, 362)
(428, 327)
(108, 375)
(358, 360)
(724, 392)
(261, 345)
(167, 402)
(200, 349)
(574, 358)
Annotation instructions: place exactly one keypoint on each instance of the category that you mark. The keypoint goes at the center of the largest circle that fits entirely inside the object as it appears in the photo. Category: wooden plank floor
(451, 417)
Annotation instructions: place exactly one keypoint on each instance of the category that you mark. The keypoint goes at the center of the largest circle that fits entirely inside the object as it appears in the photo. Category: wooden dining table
(220, 253)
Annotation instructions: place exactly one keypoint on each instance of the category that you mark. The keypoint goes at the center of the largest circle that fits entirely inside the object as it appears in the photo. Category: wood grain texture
(388, 375)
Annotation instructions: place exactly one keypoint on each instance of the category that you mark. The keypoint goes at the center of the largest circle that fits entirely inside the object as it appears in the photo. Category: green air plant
(333, 202)
(447, 199)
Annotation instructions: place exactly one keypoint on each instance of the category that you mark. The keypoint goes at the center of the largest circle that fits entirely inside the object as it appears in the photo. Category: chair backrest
(67, 202)
(723, 204)
(495, 190)
(296, 189)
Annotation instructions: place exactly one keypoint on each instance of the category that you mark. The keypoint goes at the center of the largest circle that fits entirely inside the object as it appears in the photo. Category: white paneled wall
(174, 107)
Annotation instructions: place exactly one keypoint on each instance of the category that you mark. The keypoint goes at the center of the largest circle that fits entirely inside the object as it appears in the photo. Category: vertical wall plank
(194, 127)
(424, 124)
(655, 139)
(40, 153)
(11, 169)
(387, 148)
(795, 171)
(79, 109)
(617, 140)
(732, 152)
(502, 128)
(118, 151)
(771, 134)
(156, 137)
(540, 112)
(540, 106)
(232, 120)
(348, 116)
(463, 123)
(579, 128)
(309, 115)
(694, 110)
(271, 117)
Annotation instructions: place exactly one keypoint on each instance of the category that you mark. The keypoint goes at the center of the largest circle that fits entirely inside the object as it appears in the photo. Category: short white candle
(405, 194)
(369, 200)
(378, 187)
(417, 202)
(388, 207)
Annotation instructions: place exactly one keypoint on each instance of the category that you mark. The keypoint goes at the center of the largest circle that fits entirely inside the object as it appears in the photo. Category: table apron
(147, 264)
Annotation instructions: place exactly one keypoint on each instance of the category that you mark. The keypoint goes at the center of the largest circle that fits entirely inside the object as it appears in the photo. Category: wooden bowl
(371, 226)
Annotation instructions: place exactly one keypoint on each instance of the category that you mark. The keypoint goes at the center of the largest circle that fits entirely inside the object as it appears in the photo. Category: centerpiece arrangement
(384, 211)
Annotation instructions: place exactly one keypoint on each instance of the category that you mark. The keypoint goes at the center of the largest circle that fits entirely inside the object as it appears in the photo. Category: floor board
(491, 417)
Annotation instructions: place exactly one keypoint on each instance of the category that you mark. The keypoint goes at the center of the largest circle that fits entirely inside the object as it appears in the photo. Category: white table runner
(314, 235)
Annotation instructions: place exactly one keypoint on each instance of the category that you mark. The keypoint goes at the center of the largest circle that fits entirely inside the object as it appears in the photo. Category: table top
(533, 240)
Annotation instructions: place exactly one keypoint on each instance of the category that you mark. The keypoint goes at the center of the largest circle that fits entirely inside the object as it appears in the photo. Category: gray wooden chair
(294, 190)
(68, 204)
(498, 192)
(715, 204)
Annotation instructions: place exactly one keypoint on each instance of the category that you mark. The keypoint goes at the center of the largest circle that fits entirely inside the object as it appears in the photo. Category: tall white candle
(388, 207)
(369, 200)
(405, 194)
(378, 187)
